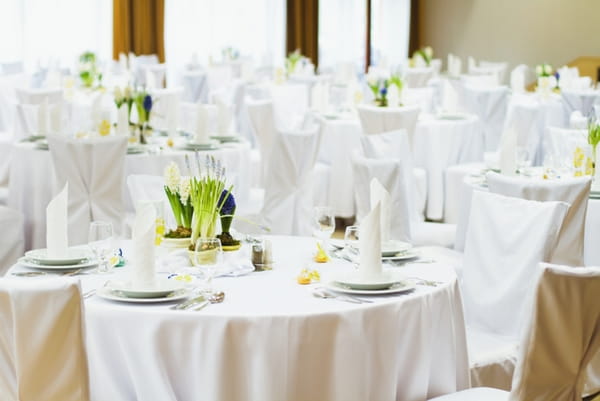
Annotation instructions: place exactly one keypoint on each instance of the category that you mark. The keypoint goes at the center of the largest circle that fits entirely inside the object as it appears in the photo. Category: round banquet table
(32, 182)
(272, 340)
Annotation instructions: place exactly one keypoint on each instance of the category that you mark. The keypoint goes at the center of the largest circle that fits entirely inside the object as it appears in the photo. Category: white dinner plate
(162, 288)
(398, 287)
(401, 256)
(226, 138)
(135, 150)
(74, 256)
(393, 247)
(353, 280)
(451, 117)
(33, 265)
(115, 295)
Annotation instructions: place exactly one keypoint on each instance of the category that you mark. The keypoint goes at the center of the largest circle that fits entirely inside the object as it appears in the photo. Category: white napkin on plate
(42, 120)
(122, 121)
(369, 244)
(508, 152)
(144, 234)
(201, 125)
(57, 242)
(224, 118)
(379, 195)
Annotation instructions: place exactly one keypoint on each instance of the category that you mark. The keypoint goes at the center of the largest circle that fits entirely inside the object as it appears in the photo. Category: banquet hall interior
(299, 200)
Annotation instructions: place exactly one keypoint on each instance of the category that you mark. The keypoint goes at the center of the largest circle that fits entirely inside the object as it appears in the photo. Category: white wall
(517, 31)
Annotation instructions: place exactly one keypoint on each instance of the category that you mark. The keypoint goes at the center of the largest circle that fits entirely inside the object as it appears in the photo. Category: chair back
(95, 172)
(12, 240)
(375, 120)
(490, 105)
(562, 337)
(262, 123)
(417, 77)
(574, 191)
(42, 341)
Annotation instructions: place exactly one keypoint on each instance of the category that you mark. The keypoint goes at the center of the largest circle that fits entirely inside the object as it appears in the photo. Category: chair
(490, 105)
(12, 240)
(582, 101)
(391, 173)
(417, 77)
(526, 120)
(137, 64)
(288, 204)
(574, 191)
(561, 338)
(195, 88)
(423, 97)
(94, 170)
(290, 105)
(42, 341)
(375, 120)
(32, 119)
(262, 122)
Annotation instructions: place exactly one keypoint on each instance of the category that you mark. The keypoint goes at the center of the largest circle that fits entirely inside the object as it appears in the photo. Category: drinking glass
(522, 159)
(351, 247)
(324, 224)
(100, 242)
(208, 255)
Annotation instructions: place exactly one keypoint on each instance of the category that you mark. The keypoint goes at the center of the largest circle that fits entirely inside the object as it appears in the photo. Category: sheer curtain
(255, 28)
(390, 28)
(54, 32)
(342, 32)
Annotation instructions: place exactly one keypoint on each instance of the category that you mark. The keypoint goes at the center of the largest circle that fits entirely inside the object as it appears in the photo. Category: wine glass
(351, 246)
(522, 159)
(324, 224)
(208, 255)
(100, 242)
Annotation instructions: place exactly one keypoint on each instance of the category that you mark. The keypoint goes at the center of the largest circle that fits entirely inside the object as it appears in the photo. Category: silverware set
(321, 292)
(200, 302)
(42, 273)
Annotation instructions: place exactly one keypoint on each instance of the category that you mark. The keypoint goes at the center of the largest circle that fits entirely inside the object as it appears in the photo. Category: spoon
(214, 298)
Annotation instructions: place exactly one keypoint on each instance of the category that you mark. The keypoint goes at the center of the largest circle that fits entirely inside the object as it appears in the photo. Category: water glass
(324, 220)
(100, 239)
(351, 245)
(208, 255)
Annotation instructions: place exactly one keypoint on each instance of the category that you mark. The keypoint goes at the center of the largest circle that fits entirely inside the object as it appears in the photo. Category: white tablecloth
(32, 183)
(272, 340)
(440, 143)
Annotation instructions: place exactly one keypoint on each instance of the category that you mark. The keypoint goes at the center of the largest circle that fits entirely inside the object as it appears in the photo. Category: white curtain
(254, 28)
(342, 32)
(390, 27)
(44, 33)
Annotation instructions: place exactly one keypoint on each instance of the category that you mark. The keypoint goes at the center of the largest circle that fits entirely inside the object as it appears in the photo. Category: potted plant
(227, 212)
(177, 189)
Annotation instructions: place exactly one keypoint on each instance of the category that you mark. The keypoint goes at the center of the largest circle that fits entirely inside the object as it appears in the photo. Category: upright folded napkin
(224, 118)
(369, 244)
(508, 152)
(122, 121)
(97, 110)
(55, 118)
(517, 80)
(577, 120)
(393, 96)
(172, 116)
(42, 120)
(320, 97)
(379, 195)
(57, 242)
(144, 233)
(201, 124)
(122, 62)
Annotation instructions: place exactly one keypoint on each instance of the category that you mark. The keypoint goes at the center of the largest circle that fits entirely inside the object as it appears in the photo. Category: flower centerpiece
(230, 53)
(177, 189)
(380, 84)
(293, 60)
(206, 191)
(88, 70)
(227, 212)
(545, 81)
(593, 140)
(143, 105)
(422, 56)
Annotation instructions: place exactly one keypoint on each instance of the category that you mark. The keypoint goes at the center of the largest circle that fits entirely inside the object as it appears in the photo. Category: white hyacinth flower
(127, 92)
(428, 52)
(118, 94)
(172, 177)
(547, 69)
(372, 77)
(185, 187)
(539, 70)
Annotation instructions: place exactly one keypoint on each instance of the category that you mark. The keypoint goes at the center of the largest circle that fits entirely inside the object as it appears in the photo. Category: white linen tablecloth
(272, 340)
(442, 142)
(32, 182)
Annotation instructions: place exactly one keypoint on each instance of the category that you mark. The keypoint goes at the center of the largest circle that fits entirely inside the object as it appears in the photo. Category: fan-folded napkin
(42, 120)
(122, 121)
(369, 244)
(201, 124)
(57, 241)
(144, 234)
(224, 118)
(379, 195)
(508, 150)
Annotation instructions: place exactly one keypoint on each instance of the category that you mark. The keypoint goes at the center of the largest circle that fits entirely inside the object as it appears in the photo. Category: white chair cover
(218, 76)
(375, 120)
(288, 205)
(195, 88)
(155, 75)
(491, 67)
(506, 239)
(290, 105)
(138, 64)
(574, 191)
(417, 77)
(12, 240)
(262, 122)
(42, 341)
(580, 100)
(560, 145)
(166, 103)
(519, 78)
(391, 175)
(94, 170)
(490, 105)
(27, 116)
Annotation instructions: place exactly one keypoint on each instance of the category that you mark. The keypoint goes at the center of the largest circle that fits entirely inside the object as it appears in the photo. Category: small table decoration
(227, 212)
(385, 87)
(177, 189)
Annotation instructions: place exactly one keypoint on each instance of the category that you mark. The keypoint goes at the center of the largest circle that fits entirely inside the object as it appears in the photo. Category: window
(390, 28)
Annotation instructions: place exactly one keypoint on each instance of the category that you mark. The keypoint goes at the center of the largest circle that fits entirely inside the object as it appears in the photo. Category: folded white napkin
(55, 118)
(97, 111)
(320, 97)
(224, 118)
(172, 116)
(393, 96)
(122, 121)
(57, 242)
(42, 120)
(144, 233)
(508, 152)
(379, 195)
(201, 124)
(369, 244)
(517, 81)
(122, 62)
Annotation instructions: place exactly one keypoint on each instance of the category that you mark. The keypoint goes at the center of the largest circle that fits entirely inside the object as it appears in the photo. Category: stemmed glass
(208, 255)
(351, 247)
(522, 159)
(324, 224)
(100, 242)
